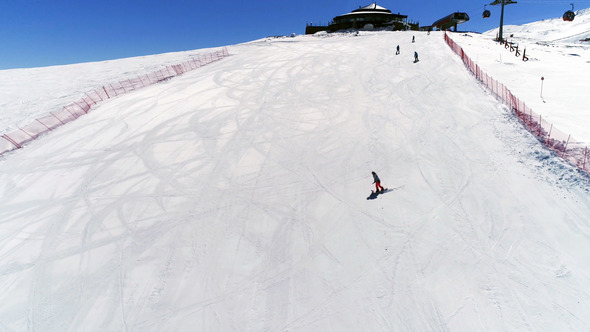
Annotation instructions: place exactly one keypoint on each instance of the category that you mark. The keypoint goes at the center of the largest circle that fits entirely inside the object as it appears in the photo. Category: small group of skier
(415, 53)
(378, 187)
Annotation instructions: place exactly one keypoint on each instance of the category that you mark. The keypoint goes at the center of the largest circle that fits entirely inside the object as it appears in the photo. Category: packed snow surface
(554, 81)
(233, 198)
(27, 94)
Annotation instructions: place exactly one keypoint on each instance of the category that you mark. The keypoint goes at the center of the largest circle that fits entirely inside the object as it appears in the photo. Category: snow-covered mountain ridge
(552, 31)
(553, 82)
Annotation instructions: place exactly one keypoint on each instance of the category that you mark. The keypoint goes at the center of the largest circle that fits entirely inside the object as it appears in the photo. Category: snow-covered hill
(233, 198)
(554, 81)
(27, 94)
(552, 31)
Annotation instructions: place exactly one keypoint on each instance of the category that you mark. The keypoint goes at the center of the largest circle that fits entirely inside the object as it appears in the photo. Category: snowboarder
(377, 182)
(397, 50)
(415, 57)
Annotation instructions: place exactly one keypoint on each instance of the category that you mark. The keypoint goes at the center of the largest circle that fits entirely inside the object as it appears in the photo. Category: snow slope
(233, 198)
(555, 54)
(27, 94)
(553, 30)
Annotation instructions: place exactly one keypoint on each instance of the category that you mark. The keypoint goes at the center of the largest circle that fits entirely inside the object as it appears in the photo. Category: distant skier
(397, 50)
(413, 39)
(377, 182)
(416, 57)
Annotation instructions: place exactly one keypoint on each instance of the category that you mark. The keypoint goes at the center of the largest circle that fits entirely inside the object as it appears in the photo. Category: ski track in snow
(233, 198)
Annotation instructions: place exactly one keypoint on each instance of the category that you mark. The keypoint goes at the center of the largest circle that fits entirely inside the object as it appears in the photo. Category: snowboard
(385, 190)
(375, 194)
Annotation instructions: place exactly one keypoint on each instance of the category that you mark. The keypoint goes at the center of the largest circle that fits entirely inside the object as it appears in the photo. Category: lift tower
(501, 2)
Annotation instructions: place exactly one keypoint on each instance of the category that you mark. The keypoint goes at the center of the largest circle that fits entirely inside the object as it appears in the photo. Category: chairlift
(569, 15)
(486, 13)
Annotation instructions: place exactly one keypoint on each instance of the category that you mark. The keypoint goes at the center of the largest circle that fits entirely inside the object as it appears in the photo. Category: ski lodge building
(371, 17)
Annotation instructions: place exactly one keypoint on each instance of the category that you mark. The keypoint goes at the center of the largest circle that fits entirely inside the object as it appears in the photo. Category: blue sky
(35, 33)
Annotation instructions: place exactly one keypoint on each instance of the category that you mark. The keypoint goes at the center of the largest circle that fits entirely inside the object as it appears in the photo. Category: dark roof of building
(371, 9)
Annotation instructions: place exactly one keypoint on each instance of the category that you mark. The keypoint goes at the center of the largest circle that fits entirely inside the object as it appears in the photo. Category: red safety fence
(564, 145)
(18, 138)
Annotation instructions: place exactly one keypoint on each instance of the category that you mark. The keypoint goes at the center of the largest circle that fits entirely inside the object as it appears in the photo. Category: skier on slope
(377, 182)
(415, 57)
(397, 50)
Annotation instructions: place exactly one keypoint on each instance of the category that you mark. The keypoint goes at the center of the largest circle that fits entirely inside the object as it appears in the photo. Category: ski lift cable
(476, 11)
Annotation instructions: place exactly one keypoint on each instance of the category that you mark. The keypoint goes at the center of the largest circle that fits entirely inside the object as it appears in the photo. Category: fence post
(565, 147)
(105, 91)
(115, 91)
(95, 101)
(98, 95)
(21, 129)
(44, 125)
(8, 138)
(82, 108)
(58, 119)
(72, 114)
